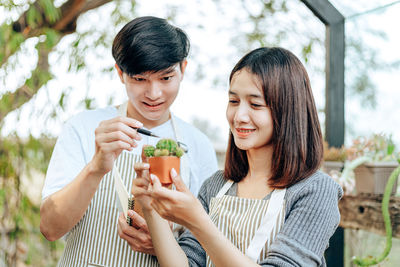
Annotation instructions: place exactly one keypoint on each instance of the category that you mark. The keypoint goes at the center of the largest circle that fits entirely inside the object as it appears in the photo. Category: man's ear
(120, 73)
(183, 65)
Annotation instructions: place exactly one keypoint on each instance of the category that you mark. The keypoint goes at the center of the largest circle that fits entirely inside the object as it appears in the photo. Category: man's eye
(166, 78)
(138, 79)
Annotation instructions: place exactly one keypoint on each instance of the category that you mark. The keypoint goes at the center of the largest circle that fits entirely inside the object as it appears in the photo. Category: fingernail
(130, 213)
(173, 172)
(152, 177)
(139, 124)
(146, 165)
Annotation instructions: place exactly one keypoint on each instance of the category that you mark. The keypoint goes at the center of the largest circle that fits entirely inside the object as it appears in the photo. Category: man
(78, 195)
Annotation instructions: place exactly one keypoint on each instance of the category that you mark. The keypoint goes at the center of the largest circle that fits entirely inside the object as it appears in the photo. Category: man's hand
(111, 137)
(137, 235)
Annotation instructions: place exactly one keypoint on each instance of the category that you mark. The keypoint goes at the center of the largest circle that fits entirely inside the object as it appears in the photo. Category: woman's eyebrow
(231, 92)
(250, 95)
(255, 96)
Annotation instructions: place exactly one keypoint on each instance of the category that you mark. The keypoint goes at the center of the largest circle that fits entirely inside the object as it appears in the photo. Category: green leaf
(61, 100)
(15, 41)
(33, 17)
(51, 13)
(51, 38)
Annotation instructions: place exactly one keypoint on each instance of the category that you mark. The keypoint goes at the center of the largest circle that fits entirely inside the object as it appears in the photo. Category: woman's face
(249, 118)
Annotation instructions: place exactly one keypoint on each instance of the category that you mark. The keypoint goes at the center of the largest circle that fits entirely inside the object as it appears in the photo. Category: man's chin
(155, 117)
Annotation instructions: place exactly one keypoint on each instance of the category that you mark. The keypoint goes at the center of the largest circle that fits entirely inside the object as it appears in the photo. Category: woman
(271, 206)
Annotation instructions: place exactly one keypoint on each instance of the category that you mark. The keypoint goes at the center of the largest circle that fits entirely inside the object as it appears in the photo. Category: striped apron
(250, 224)
(94, 241)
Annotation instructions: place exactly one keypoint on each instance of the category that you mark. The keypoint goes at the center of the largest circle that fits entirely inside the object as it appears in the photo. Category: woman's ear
(120, 73)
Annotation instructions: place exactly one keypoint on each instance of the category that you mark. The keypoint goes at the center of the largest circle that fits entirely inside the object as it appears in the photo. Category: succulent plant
(149, 151)
(164, 147)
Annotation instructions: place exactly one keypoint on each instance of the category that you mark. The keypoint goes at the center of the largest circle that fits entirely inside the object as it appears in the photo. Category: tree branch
(20, 30)
(40, 76)
(64, 23)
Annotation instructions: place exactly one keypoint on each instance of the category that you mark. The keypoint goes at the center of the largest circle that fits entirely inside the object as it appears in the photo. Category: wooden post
(334, 106)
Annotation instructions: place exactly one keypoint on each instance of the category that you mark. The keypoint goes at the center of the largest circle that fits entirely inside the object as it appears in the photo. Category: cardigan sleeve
(312, 216)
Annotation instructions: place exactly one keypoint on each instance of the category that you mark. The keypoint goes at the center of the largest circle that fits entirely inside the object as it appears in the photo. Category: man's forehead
(173, 68)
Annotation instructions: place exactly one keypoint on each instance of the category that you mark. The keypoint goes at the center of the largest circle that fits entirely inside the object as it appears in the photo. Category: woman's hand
(178, 206)
(141, 184)
(111, 137)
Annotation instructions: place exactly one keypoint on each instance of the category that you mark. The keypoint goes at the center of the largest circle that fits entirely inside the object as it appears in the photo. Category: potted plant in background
(372, 159)
(334, 158)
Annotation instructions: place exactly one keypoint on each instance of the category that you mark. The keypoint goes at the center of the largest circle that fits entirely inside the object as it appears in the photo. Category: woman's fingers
(178, 182)
(142, 170)
(140, 186)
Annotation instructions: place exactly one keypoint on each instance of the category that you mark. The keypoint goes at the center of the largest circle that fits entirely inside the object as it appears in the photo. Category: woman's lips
(244, 132)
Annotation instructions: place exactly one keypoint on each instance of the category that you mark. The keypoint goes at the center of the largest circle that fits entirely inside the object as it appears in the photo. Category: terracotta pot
(162, 166)
(372, 177)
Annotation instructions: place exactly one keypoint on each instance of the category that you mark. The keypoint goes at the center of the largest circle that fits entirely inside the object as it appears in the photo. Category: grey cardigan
(312, 216)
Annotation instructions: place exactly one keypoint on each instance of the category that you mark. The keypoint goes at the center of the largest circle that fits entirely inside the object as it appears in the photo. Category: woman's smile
(244, 132)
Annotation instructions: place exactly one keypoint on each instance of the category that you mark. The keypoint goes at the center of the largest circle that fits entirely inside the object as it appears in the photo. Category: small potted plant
(334, 158)
(162, 158)
(373, 159)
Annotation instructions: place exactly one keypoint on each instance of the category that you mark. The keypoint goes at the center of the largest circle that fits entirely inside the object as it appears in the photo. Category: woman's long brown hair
(297, 137)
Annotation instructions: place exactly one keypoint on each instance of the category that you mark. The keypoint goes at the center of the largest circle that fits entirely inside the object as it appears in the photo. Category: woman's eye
(233, 101)
(256, 105)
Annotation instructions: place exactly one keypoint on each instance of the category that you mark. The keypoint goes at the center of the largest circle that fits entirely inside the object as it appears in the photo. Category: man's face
(151, 94)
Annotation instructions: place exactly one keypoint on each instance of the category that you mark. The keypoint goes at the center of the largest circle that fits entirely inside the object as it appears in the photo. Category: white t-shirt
(75, 148)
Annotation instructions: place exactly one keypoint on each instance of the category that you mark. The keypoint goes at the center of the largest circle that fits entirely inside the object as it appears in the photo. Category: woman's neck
(255, 184)
(260, 162)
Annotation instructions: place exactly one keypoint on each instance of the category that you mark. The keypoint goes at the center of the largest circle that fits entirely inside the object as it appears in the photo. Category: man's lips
(153, 105)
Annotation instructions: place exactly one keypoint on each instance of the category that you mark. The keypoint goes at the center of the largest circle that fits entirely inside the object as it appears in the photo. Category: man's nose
(153, 92)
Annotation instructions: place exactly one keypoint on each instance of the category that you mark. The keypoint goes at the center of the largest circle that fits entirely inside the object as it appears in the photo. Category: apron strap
(225, 188)
(123, 109)
(185, 166)
(267, 224)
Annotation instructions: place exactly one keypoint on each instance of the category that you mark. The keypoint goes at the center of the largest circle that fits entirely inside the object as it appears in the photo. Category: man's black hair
(149, 44)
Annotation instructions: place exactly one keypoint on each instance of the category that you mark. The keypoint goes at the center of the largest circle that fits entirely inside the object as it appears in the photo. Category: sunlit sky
(214, 48)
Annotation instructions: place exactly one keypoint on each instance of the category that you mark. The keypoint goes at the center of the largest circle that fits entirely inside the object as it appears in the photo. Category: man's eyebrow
(168, 71)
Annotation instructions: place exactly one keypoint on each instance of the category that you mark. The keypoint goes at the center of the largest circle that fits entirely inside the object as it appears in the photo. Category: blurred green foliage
(22, 241)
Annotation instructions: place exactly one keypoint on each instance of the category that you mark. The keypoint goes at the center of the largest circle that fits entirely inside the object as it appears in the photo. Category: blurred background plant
(377, 147)
(42, 40)
(334, 153)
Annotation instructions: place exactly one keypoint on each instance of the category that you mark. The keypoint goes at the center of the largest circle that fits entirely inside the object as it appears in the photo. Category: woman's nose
(242, 114)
